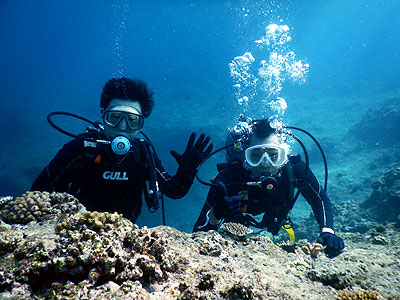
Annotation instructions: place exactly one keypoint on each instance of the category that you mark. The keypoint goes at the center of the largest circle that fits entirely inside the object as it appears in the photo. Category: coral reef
(90, 247)
(358, 295)
(384, 202)
(379, 208)
(239, 291)
(93, 255)
(4, 200)
(37, 206)
(383, 121)
(313, 249)
(109, 247)
(237, 230)
(9, 243)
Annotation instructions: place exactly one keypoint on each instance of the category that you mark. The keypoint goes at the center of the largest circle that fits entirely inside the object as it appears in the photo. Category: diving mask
(266, 154)
(113, 117)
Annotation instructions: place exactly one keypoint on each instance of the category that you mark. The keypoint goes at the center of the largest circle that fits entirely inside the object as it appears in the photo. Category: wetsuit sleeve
(315, 195)
(214, 195)
(54, 176)
(176, 186)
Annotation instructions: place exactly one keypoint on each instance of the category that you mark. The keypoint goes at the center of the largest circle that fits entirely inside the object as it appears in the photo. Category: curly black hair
(129, 89)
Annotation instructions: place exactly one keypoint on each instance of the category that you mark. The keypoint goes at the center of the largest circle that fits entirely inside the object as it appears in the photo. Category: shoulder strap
(91, 147)
(152, 193)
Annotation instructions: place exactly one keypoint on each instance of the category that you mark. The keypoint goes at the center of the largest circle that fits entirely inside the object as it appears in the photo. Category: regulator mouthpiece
(120, 145)
(268, 183)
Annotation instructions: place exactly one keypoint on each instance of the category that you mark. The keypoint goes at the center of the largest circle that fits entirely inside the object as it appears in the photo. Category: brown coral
(37, 206)
(359, 295)
(8, 242)
(239, 291)
(312, 249)
(98, 247)
(236, 229)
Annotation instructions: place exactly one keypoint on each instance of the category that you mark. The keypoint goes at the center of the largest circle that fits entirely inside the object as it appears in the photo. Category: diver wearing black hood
(260, 177)
(109, 168)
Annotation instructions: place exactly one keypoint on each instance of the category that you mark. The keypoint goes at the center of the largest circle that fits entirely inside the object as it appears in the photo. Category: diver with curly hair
(110, 167)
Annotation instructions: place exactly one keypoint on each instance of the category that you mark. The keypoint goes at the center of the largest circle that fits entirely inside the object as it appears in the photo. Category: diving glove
(334, 244)
(229, 207)
(194, 154)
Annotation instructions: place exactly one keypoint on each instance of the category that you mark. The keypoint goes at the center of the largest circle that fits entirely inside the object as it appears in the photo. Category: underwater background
(57, 55)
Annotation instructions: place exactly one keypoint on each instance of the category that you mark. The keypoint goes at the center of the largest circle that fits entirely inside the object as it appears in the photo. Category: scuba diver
(109, 168)
(260, 177)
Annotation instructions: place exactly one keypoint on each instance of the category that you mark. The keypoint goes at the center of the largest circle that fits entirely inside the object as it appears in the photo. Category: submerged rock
(95, 255)
(380, 207)
(384, 203)
(380, 125)
(37, 206)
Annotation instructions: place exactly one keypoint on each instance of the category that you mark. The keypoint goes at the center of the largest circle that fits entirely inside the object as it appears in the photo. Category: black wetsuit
(276, 203)
(105, 181)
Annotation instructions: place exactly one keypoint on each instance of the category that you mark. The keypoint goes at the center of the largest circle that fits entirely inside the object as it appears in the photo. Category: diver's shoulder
(91, 133)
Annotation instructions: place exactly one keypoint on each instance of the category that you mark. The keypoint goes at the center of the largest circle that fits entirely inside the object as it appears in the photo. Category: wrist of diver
(213, 220)
(210, 219)
(328, 230)
(187, 171)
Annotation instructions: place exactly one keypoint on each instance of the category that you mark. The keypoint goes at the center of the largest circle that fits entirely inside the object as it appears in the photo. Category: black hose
(320, 150)
(155, 153)
(50, 115)
(222, 148)
(307, 165)
(95, 125)
(205, 159)
(307, 160)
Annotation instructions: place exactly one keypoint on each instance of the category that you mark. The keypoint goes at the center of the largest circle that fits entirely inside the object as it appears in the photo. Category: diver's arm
(315, 196)
(42, 182)
(322, 208)
(196, 151)
(176, 186)
(207, 220)
(53, 177)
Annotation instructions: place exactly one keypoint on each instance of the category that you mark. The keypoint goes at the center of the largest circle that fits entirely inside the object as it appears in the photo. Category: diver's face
(264, 167)
(127, 110)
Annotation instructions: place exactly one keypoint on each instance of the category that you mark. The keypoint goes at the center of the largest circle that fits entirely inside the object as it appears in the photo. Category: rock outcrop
(91, 255)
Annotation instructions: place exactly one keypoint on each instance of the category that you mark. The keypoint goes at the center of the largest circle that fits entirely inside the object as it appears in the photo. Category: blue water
(57, 55)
